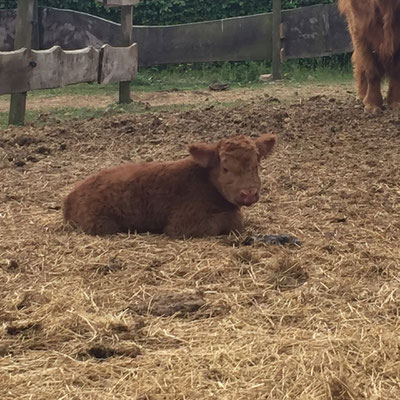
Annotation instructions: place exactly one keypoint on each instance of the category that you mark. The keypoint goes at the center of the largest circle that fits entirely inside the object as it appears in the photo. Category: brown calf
(198, 196)
(375, 30)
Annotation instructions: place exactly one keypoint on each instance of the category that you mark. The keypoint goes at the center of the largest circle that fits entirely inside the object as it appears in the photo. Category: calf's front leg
(182, 224)
(103, 226)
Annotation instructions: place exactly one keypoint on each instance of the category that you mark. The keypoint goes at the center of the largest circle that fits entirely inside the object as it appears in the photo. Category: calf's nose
(249, 196)
(248, 193)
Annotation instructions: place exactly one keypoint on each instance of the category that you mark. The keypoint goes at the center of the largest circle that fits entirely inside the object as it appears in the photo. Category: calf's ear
(265, 144)
(205, 155)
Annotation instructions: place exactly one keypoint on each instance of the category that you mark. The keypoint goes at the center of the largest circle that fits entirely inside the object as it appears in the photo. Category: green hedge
(165, 12)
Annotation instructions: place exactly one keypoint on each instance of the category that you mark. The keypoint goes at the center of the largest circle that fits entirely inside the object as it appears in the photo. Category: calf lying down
(200, 195)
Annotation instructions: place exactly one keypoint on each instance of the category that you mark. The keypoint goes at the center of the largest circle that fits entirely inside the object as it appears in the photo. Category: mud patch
(30, 300)
(101, 353)
(340, 390)
(22, 327)
(112, 266)
(12, 265)
(288, 274)
(165, 305)
(24, 140)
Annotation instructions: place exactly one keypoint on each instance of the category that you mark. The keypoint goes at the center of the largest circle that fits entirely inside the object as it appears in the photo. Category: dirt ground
(145, 317)
(180, 97)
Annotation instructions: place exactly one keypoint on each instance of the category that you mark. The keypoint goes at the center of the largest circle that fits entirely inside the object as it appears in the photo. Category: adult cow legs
(393, 96)
(373, 100)
(361, 79)
(368, 74)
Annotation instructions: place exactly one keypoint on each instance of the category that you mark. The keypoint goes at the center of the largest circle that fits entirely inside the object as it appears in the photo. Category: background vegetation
(165, 12)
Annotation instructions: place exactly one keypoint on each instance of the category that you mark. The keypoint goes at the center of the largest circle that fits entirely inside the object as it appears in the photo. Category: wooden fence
(26, 69)
(305, 32)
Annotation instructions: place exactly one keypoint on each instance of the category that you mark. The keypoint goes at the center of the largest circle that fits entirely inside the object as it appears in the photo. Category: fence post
(126, 34)
(23, 38)
(276, 39)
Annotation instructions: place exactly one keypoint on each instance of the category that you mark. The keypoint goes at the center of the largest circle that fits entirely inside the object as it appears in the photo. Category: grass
(199, 76)
(241, 74)
(56, 115)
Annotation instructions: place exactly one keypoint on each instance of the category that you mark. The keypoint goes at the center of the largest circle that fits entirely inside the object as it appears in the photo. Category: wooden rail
(25, 69)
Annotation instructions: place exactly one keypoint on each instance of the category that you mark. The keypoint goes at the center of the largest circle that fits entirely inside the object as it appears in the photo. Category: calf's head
(233, 165)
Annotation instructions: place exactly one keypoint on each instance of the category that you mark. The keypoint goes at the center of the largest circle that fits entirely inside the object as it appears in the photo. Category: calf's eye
(225, 170)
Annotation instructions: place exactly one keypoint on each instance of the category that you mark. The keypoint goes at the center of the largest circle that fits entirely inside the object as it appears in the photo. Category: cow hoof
(373, 110)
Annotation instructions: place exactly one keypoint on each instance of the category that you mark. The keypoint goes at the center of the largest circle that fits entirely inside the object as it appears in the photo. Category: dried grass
(145, 317)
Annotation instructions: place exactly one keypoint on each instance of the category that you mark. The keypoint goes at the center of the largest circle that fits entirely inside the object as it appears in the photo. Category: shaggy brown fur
(375, 30)
(198, 196)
